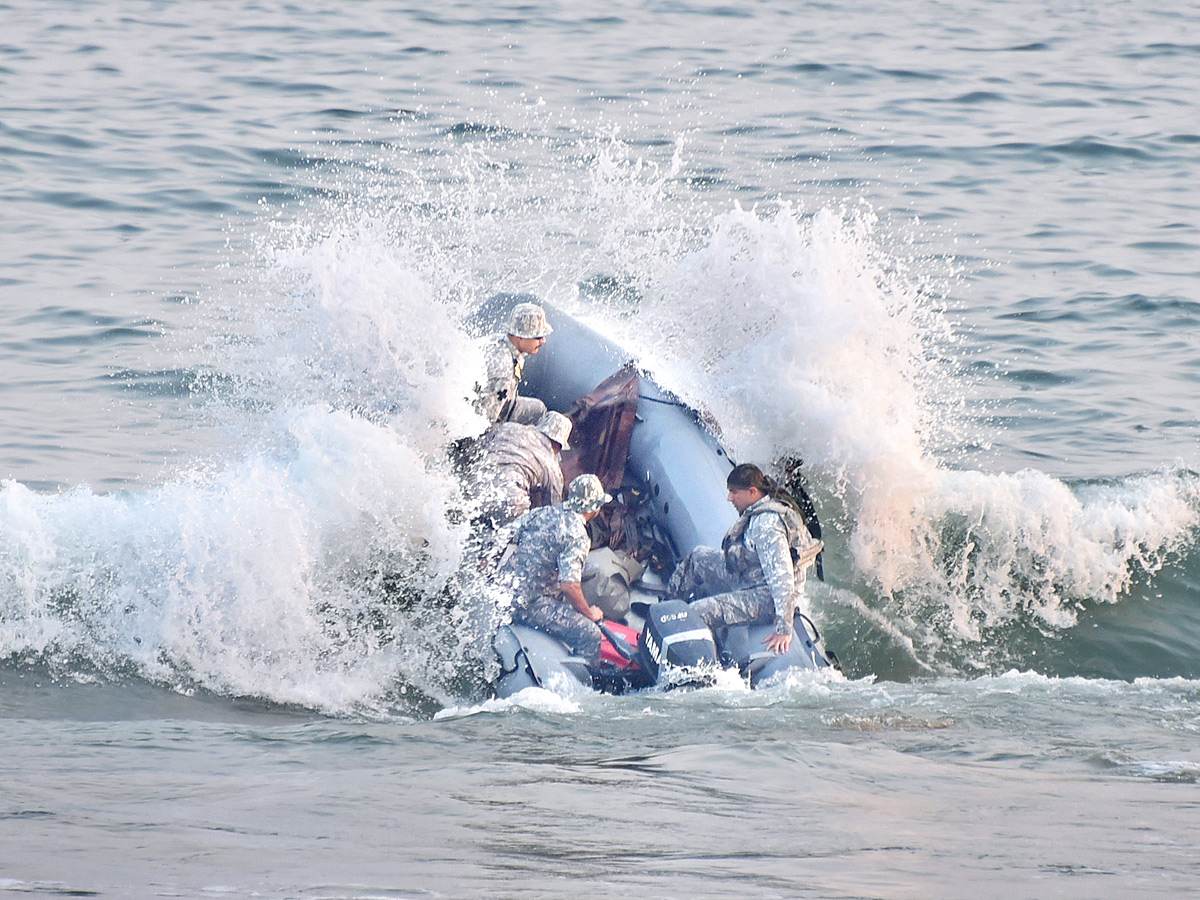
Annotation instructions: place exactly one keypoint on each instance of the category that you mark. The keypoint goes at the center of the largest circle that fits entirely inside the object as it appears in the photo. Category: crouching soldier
(545, 569)
(759, 573)
(518, 468)
(498, 400)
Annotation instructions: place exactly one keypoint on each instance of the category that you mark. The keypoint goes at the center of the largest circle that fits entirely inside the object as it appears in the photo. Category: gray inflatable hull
(681, 464)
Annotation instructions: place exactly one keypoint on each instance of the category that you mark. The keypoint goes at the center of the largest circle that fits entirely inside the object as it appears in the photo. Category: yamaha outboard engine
(675, 638)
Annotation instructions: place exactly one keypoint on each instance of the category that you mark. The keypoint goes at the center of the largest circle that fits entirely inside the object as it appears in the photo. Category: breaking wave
(313, 559)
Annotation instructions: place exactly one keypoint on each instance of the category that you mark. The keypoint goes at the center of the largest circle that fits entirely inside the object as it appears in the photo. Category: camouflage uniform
(518, 470)
(758, 574)
(498, 397)
(551, 546)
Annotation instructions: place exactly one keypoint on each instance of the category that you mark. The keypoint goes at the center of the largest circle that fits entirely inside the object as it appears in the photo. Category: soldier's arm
(769, 539)
(570, 574)
(573, 591)
(493, 393)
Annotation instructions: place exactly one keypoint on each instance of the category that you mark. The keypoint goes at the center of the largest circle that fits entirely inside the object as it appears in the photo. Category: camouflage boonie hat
(586, 494)
(528, 320)
(557, 427)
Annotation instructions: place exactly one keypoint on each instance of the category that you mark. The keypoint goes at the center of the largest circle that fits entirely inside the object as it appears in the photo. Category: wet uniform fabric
(498, 397)
(757, 576)
(552, 545)
(517, 470)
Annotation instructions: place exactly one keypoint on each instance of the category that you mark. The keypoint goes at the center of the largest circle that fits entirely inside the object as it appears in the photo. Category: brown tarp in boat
(603, 420)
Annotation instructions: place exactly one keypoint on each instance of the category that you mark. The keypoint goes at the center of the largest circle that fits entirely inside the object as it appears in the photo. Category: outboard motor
(675, 637)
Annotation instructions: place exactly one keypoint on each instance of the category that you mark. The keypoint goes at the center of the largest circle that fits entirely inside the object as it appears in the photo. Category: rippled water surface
(946, 253)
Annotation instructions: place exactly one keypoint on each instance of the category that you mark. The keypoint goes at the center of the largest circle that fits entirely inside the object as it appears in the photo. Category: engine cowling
(675, 638)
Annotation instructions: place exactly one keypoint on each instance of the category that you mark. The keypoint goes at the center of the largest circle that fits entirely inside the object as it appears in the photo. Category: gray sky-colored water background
(947, 253)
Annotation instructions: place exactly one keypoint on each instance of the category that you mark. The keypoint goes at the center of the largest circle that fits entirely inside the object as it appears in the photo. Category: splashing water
(287, 568)
(316, 560)
(803, 338)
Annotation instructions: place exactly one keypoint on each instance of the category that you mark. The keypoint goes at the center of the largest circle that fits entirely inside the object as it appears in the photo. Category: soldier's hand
(596, 614)
(778, 643)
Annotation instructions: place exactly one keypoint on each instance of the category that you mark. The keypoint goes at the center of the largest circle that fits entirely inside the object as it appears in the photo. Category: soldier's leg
(701, 573)
(748, 606)
(527, 410)
(559, 619)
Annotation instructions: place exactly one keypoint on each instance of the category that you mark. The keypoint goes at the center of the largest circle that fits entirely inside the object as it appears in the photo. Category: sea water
(947, 254)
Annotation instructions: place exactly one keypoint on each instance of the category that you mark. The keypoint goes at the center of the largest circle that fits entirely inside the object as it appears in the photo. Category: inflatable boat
(667, 471)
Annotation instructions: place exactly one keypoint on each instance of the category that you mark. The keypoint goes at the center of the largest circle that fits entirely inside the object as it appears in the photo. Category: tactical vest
(744, 563)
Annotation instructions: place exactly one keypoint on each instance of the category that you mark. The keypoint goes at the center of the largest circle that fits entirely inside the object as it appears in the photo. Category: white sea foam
(288, 568)
(255, 580)
(309, 563)
(802, 337)
(533, 699)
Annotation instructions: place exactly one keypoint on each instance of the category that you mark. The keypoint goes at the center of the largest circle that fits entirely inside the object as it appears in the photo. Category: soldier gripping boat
(545, 572)
(711, 583)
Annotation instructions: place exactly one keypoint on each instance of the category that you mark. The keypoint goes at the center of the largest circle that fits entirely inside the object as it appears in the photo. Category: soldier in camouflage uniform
(546, 569)
(505, 354)
(758, 574)
(518, 468)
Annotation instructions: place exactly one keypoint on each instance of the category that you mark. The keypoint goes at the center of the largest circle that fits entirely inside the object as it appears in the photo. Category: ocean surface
(946, 253)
